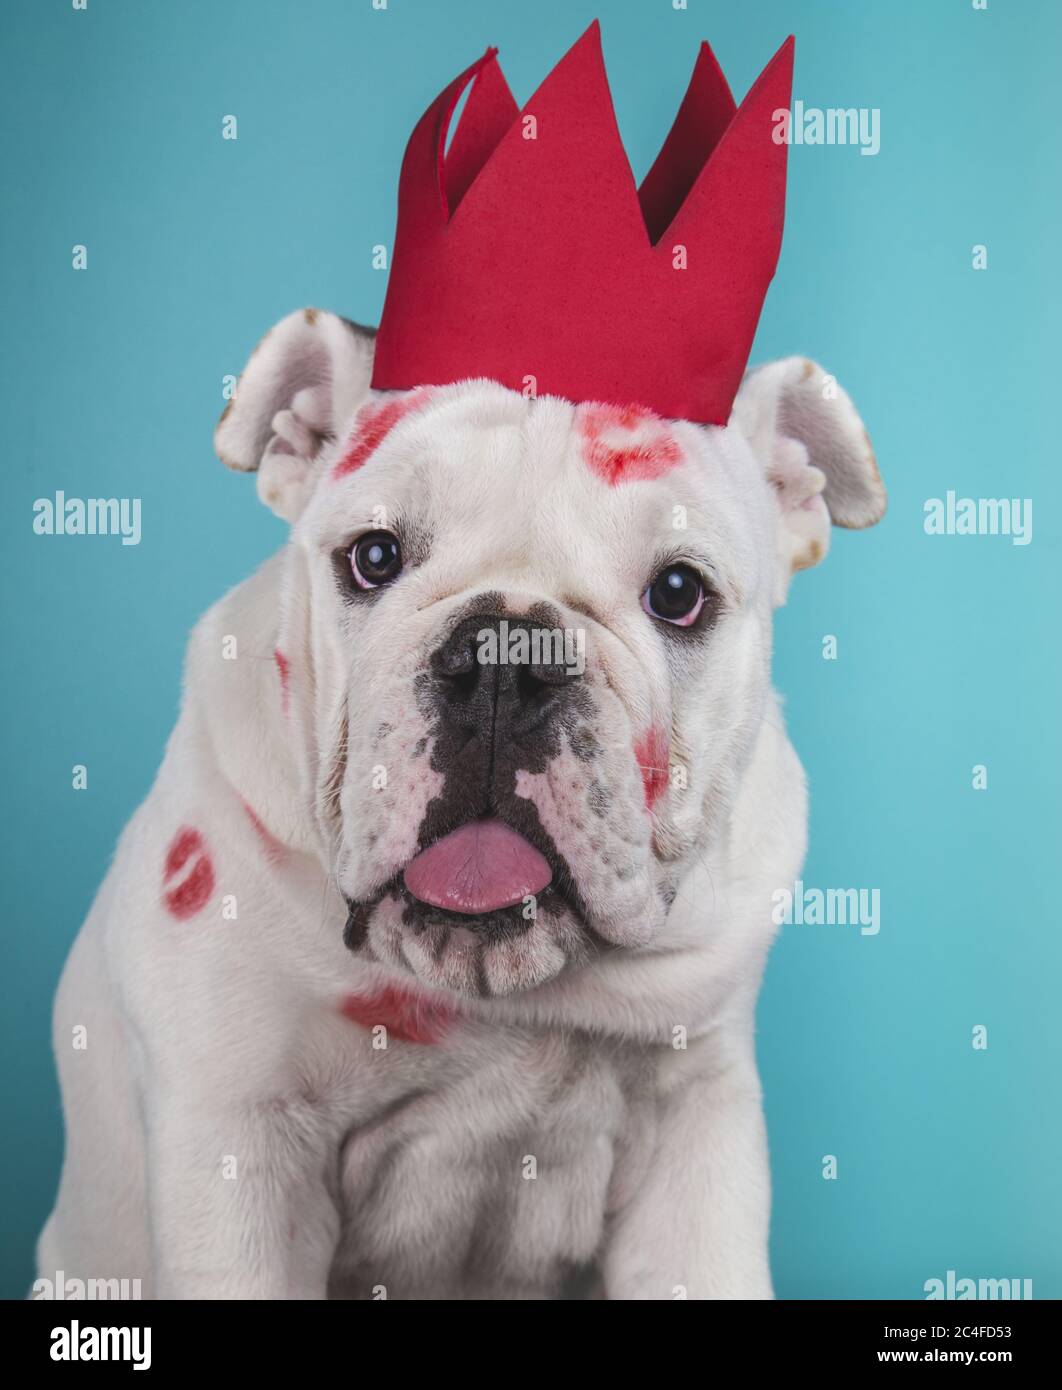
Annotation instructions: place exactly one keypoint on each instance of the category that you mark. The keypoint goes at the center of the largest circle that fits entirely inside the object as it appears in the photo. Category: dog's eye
(375, 559)
(676, 595)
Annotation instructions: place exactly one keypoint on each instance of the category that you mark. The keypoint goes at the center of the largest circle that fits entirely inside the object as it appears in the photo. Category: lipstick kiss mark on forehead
(187, 875)
(373, 423)
(653, 752)
(626, 443)
(408, 1015)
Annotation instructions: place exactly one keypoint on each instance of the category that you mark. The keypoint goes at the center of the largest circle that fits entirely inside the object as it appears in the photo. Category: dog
(428, 967)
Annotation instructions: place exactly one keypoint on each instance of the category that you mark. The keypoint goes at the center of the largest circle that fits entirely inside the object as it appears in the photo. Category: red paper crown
(520, 257)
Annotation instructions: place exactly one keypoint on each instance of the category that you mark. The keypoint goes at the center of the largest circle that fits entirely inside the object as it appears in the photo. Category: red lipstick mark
(652, 753)
(409, 1015)
(283, 670)
(185, 898)
(626, 443)
(373, 423)
(274, 849)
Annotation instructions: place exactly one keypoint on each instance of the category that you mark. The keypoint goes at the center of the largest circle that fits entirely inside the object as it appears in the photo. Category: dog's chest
(493, 1179)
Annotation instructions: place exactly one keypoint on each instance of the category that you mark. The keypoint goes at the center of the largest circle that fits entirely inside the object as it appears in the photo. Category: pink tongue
(477, 868)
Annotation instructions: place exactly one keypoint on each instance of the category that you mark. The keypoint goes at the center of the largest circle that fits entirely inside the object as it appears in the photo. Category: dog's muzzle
(484, 688)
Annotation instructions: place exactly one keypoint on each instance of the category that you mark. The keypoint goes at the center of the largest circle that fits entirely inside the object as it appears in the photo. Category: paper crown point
(525, 250)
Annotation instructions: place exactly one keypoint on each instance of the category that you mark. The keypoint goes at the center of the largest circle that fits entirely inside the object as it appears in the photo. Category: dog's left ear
(808, 435)
(301, 385)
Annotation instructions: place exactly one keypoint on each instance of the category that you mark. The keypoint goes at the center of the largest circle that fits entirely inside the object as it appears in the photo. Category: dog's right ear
(301, 384)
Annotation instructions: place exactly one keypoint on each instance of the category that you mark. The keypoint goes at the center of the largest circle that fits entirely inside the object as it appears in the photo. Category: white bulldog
(428, 968)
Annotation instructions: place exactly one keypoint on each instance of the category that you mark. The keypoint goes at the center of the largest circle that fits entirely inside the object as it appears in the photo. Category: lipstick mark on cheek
(187, 875)
(653, 753)
(372, 424)
(627, 443)
(407, 1015)
(283, 671)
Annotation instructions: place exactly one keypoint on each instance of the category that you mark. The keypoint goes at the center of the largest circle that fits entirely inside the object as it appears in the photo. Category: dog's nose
(499, 673)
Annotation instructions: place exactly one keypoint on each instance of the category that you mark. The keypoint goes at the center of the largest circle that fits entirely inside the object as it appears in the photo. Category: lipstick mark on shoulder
(187, 875)
(284, 672)
(274, 849)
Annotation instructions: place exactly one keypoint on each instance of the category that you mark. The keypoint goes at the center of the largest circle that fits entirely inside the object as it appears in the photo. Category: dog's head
(524, 646)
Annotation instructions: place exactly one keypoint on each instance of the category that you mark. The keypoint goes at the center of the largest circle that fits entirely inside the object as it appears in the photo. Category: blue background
(948, 647)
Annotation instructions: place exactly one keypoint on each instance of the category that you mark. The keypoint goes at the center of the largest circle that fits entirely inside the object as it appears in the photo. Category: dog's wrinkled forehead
(493, 483)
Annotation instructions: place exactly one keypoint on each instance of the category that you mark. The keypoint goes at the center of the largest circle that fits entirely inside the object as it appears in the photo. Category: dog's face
(525, 646)
(533, 611)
